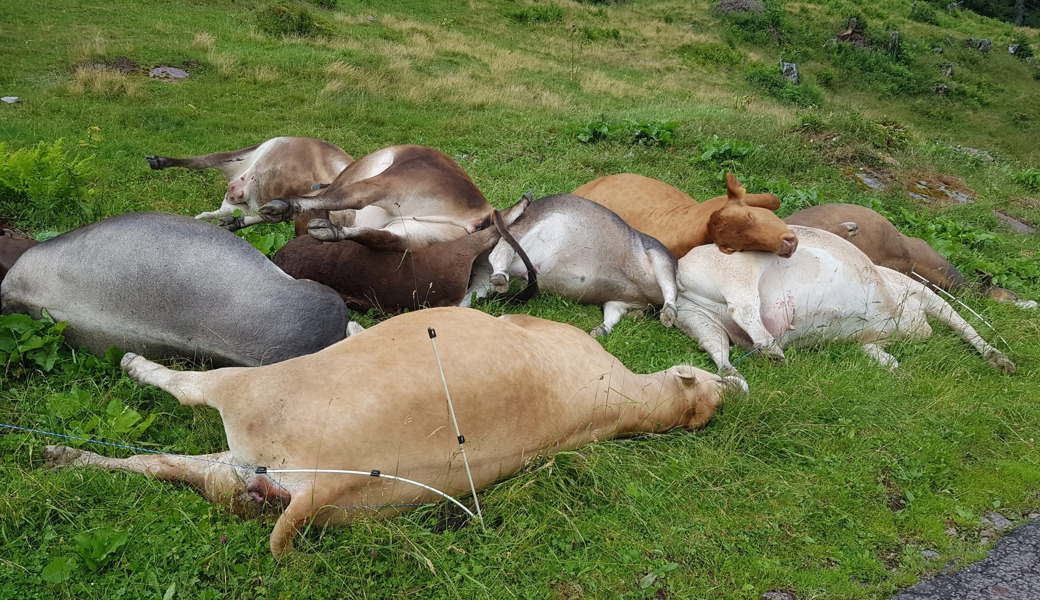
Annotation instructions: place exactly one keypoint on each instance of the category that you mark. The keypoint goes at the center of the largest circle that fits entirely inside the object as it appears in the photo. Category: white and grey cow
(827, 291)
(585, 252)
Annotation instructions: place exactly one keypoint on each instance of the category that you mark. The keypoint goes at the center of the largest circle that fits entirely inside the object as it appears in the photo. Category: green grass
(828, 479)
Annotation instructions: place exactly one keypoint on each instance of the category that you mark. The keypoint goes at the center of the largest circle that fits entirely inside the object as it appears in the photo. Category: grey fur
(585, 252)
(164, 285)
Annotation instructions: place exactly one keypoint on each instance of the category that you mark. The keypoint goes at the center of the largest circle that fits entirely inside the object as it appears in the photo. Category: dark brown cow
(885, 246)
(394, 281)
(281, 166)
(734, 222)
(12, 246)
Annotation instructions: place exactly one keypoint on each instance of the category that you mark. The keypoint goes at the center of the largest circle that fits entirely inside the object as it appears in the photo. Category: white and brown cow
(827, 291)
(397, 198)
(281, 166)
(338, 409)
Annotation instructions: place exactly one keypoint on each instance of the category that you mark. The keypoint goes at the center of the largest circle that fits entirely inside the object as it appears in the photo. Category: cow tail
(532, 278)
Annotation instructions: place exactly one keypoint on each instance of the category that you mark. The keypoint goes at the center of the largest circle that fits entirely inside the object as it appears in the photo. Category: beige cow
(520, 386)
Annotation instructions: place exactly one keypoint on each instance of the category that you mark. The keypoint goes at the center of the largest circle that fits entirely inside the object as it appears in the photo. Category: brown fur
(12, 246)
(741, 221)
(882, 242)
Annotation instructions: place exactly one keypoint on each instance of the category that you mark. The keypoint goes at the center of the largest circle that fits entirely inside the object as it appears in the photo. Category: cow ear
(734, 190)
(770, 201)
(686, 374)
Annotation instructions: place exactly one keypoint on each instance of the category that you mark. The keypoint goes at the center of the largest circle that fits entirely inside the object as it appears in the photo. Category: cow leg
(500, 259)
(748, 316)
(213, 475)
(711, 336)
(229, 163)
(938, 308)
(303, 507)
(236, 223)
(884, 358)
(226, 210)
(664, 271)
(612, 313)
(186, 386)
(479, 282)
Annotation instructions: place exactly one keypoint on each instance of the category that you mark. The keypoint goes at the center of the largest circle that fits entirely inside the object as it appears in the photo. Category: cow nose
(788, 244)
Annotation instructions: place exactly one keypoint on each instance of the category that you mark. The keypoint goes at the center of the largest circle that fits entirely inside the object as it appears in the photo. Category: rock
(934, 190)
(999, 521)
(951, 531)
(984, 45)
(11, 99)
(985, 534)
(946, 69)
(790, 71)
(893, 43)
(980, 154)
(1028, 305)
(872, 180)
(1034, 515)
(930, 554)
(1015, 224)
(168, 73)
(740, 6)
(1012, 48)
(937, 50)
(941, 89)
(779, 595)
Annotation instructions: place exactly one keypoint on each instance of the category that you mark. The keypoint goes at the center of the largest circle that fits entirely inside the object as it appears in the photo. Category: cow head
(747, 222)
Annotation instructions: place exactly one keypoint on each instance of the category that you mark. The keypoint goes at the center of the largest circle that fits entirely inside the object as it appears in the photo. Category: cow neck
(695, 217)
(647, 403)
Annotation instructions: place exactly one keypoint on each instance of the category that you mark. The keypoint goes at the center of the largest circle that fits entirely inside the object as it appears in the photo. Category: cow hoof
(500, 282)
(600, 331)
(735, 383)
(354, 328)
(776, 354)
(323, 230)
(669, 315)
(137, 366)
(155, 162)
(852, 228)
(1002, 362)
(232, 223)
(276, 211)
(59, 456)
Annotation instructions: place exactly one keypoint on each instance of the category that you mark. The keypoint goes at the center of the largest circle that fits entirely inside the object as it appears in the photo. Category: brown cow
(399, 198)
(377, 401)
(393, 281)
(281, 166)
(885, 246)
(12, 246)
(734, 222)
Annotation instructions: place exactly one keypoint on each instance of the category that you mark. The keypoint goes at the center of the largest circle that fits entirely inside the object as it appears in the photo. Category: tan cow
(885, 246)
(520, 386)
(281, 166)
(735, 222)
(397, 198)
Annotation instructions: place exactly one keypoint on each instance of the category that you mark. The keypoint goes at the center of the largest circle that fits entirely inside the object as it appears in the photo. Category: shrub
(538, 14)
(23, 340)
(326, 3)
(710, 55)
(595, 34)
(772, 83)
(1029, 178)
(649, 133)
(718, 150)
(1024, 50)
(284, 19)
(43, 184)
(925, 13)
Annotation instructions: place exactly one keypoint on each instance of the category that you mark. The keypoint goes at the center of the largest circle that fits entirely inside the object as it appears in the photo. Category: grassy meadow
(828, 480)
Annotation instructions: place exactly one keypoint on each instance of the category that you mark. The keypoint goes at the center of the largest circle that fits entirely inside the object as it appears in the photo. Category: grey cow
(164, 285)
(585, 252)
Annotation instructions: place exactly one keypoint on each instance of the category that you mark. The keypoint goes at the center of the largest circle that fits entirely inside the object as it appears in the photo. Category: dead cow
(393, 281)
(584, 252)
(828, 291)
(397, 198)
(558, 390)
(281, 166)
(172, 286)
(885, 246)
(12, 246)
(734, 222)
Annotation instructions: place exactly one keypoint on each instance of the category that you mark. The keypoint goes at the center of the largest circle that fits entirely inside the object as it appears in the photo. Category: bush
(772, 83)
(283, 19)
(710, 55)
(45, 185)
(595, 34)
(23, 340)
(925, 13)
(648, 133)
(1024, 50)
(538, 14)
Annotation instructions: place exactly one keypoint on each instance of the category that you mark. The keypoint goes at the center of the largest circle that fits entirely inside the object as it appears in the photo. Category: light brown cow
(377, 401)
(885, 246)
(735, 222)
(281, 166)
(399, 198)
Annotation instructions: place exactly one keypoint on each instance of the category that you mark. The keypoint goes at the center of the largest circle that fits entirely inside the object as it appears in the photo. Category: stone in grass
(790, 72)
(997, 520)
(930, 554)
(779, 595)
(11, 99)
(170, 73)
(739, 6)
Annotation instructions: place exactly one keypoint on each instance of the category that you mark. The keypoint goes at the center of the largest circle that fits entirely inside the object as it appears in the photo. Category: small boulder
(11, 99)
(946, 69)
(739, 6)
(790, 71)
